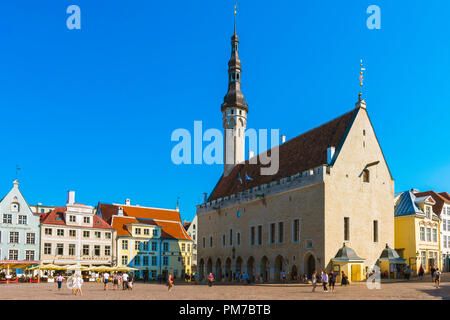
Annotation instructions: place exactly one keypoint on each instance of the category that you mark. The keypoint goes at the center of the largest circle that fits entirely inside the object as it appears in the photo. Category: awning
(17, 264)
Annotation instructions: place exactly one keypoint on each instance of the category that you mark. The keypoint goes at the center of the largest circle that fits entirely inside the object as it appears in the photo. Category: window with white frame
(72, 233)
(428, 212)
(429, 234)
(107, 235)
(7, 218)
(85, 249)
(435, 235)
(154, 246)
(445, 241)
(48, 231)
(137, 245)
(29, 255)
(60, 249)
(97, 251)
(124, 260)
(60, 232)
(146, 232)
(137, 231)
(72, 218)
(13, 237)
(98, 235)
(87, 219)
(22, 219)
(422, 233)
(31, 238)
(71, 249)
(444, 224)
(107, 250)
(124, 244)
(154, 261)
(48, 248)
(13, 254)
(86, 234)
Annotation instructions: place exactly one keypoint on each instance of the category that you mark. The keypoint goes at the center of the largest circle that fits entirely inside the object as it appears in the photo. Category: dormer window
(428, 211)
(15, 207)
(366, 175)
(87, 220)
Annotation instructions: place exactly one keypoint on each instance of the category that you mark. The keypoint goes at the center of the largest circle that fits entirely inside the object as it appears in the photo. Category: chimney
(127, 202)
(205, 197)
(330, 154)
(70, 197)
(120, 212)
(283, 138)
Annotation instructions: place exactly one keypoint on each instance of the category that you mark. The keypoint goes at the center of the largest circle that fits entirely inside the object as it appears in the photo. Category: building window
(48, 248)
(137, 245)
(296, 231)
(31, 238)
(146, 232)
(60, 232)
(14, 254)
(14, 237)
(29, 255)
(124, 244)
(280, 232)
(422, 233)
(448, 225)
(137, 231)
(155, 232)
(124, 260)
(98, 234)
(424, 259)
(435, 235)
(154, 261)
(86, 234)
(87, 219)
(259, 235)
(204, 242)
(375, 231)
(71, 249)
(366, 175)
(96, 250)
(224, 242)
(252, 236)
(183, 247)
(210, 241)
(428, 210)
(85, 249)
(429, 234)
(231, 237)
(107, 250)
(165, 246)
(188, 247)
(145, 260)
(15, 207)
(445, 241)
(272, 233)
(309, 244)
(346, 229)
(7, 218)
(165, 261)
(72, 233)
(72, 218)
(145, 246)
(444, 224)
(22, 219)
(238, 238)
(59, 249)
(48, 231)
(154, 246)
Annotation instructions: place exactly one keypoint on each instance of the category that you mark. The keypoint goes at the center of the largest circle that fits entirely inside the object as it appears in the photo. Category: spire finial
(361, 79)
(235, 12)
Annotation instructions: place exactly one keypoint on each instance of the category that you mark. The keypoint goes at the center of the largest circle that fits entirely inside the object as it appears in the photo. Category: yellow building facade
(417, 231)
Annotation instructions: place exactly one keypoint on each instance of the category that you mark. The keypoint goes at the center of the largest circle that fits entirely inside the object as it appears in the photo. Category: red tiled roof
(168, 220)
(56, 217)
(445, 195)
(438, 198)
(306, 151)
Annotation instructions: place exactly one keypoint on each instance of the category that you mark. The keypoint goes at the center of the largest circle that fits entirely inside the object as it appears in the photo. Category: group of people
(328, 279)
(118, 279)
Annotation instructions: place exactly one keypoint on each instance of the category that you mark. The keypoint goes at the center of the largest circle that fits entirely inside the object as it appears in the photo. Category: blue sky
(93, 109)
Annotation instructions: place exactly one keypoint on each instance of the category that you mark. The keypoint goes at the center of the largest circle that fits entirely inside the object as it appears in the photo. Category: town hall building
(329, 206)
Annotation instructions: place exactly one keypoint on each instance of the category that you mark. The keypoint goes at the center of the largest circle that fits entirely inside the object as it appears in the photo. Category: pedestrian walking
(115, 281)
(59, 280)
(105, 280)
(210, 279)
(433, 270)
(130, 283)
(283, 275)
(78, 282)
(421, 272)
(126, 277)
(325, 281)
(332, 280)
(437, 277)
(170, 282)
(314, 281)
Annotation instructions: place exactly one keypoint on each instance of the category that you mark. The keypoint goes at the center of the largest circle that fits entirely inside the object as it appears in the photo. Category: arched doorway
(201, 269)
(209, 266)
(264, 269)
(278, 268)
(294, 273)
(250, 267)
(310, 264)
(218, 269)
(228, 271)
(239, 265)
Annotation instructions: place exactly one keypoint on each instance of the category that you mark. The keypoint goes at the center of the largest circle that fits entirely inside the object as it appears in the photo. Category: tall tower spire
(234, 109)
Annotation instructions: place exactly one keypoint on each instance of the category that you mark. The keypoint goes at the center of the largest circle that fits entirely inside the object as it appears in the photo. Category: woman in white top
(314, 281)
(78, 282)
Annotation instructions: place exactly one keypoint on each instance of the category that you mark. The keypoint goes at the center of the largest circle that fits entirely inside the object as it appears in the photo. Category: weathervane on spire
(235, 8)
(361, 77)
